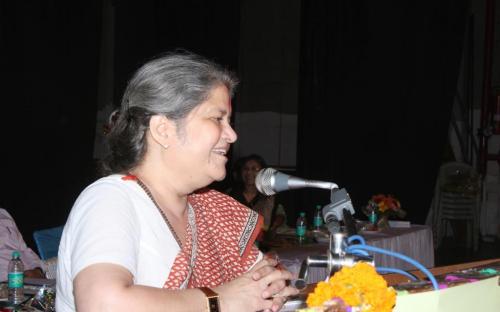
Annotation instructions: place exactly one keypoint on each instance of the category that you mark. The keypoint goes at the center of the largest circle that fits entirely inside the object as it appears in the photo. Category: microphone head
(264, 181)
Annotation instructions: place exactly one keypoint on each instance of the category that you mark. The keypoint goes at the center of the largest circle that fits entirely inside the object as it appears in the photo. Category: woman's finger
(273, 289)
(287, 292)
(264, 262)
(276, 275)
(280, 298)
(278, 303)
(263, 268)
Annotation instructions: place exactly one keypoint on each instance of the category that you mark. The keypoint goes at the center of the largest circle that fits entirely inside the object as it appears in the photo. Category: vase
(383, 222)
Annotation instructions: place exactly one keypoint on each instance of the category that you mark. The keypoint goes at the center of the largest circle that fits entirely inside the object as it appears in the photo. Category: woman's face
(203, 140)
(249, 172)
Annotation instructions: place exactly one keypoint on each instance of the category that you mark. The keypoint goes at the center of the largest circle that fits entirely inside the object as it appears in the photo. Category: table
(465, 302)
(415, 242)
(43, 291)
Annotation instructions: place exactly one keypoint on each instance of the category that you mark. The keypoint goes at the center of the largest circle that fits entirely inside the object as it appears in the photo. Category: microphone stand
(339, 209)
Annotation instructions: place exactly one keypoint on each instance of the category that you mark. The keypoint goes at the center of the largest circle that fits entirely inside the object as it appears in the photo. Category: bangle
(212, 299)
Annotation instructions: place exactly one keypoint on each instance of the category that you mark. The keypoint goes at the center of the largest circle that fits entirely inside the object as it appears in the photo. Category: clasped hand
(264, 287)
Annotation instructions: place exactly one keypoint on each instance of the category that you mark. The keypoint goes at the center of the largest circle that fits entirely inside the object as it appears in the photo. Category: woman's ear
(161, 129)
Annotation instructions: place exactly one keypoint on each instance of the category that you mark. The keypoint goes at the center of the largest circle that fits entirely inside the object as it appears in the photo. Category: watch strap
(212, 299)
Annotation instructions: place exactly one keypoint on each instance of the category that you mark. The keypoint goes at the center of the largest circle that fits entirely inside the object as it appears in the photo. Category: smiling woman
(150, 233)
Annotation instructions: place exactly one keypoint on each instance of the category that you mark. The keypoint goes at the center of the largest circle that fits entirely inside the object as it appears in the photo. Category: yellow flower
(382, 206)
(358, 286)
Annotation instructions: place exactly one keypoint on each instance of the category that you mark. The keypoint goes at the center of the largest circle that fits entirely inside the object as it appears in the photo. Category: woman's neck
(168, 197)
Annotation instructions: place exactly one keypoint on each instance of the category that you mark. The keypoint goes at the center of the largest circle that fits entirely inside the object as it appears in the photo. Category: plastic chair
(458, 197)
(47, 241)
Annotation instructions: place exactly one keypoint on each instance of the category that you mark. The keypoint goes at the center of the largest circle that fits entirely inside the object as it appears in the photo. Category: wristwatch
(212, 299)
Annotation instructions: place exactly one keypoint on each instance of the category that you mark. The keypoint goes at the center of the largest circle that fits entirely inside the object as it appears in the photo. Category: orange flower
(383, 204)
(358, 286)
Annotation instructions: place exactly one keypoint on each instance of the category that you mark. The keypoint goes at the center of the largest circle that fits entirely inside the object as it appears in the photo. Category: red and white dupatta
(225, 232)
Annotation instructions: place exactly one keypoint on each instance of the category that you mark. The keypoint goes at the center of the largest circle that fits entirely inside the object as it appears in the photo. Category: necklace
(148, 192)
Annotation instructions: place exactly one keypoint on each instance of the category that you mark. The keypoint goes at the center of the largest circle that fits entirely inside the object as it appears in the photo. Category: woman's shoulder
(104, 197)
(117, 180)
(111, 186)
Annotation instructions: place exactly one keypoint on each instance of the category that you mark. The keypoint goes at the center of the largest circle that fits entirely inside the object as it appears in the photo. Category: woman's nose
(230, 134)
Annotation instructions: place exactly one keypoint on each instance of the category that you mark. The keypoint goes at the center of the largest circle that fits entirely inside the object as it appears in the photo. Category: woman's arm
(109, 287)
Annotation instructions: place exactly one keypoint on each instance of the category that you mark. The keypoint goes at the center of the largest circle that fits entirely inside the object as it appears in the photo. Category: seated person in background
(10, 240)
(246, 192)
(150, 236)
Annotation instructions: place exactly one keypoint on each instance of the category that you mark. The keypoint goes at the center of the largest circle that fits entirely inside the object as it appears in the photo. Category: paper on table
(477, 296)
(399, 224)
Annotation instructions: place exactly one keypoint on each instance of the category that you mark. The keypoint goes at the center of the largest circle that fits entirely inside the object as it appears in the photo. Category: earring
(165, 146)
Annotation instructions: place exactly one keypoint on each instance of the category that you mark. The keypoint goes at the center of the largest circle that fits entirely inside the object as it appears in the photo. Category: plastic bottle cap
(15, 254)
(302, 214)
(318, 206)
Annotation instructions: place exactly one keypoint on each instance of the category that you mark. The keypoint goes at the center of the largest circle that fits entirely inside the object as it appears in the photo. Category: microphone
(269, 181)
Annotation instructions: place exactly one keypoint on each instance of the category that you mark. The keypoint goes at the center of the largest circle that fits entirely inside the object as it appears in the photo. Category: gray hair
(171, 85)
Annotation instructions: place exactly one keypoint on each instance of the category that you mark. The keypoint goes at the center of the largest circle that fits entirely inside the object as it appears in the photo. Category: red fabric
(226, 232)
(129, 177)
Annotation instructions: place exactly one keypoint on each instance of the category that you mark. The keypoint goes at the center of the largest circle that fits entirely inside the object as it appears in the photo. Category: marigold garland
(358, 286)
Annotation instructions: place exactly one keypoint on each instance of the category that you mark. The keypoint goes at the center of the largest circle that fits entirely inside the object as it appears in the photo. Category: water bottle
(373, 217)
(16, 279)
(301, 228)
(318, 218)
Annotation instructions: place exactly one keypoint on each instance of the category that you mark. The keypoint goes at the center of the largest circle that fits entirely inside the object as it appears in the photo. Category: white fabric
(114, 221)
(10, 240)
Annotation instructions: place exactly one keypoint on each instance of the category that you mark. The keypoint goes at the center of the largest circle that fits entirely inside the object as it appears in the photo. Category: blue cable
(360, 252)
(360, 238)
(379, 269)
(397, 255)
(399, 271)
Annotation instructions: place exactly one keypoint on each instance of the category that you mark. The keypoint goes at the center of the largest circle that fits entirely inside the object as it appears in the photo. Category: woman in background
(150, 236)
(246, 192)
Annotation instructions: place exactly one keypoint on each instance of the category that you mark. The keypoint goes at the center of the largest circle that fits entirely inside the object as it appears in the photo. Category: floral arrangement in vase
(381, 207)
(357, 289)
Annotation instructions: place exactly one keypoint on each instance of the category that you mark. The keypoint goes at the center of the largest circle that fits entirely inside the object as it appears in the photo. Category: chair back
(459, 191)
(458, 178)
(458, 197)
(458, 206)
(47, 241)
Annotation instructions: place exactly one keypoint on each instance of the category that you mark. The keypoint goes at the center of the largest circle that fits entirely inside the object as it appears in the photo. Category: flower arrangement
(384, 206)
(357, 288)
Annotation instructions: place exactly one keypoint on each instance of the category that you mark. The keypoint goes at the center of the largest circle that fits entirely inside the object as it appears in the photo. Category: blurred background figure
(10, 240)
(244, 190)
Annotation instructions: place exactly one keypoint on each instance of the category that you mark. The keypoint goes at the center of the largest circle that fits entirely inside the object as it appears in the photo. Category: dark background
(376, 87)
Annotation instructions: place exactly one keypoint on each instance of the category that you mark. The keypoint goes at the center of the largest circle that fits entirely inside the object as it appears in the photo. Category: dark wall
(49, 64)
(377, 87)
